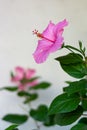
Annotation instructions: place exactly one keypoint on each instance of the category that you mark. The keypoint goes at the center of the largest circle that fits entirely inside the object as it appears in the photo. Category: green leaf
(79, 127)
(84, 103)
(84, 49)
(77, 70)
(73, 64)
(32, 97)
(12, 88)
(40, 113)
(15, 118)
(16, 129)
(32, 79)
(68, 82)
(42, 85)
(82, 125)
(29, 96)
(80, 45)
(64, 103)
(11, 74)
(23, 94)
(76, 86)
(12, 127)
(83, 120)
(49, 120)
(70, 58)
(64, 119)
(24, 80)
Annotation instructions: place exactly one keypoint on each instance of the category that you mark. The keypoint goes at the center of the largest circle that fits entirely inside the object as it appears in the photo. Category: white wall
(17, 20)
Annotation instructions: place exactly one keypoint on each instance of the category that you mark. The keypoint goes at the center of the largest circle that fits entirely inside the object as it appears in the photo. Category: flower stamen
(40, 35)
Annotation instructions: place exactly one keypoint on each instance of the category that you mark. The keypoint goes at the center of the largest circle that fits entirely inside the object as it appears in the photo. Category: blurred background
(18, 18)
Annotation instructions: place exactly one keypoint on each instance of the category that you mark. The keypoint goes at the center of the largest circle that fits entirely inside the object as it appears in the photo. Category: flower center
(41, 36)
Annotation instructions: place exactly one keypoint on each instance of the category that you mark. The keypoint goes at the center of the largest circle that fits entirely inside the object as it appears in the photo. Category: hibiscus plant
(71, 105)
(27, 87)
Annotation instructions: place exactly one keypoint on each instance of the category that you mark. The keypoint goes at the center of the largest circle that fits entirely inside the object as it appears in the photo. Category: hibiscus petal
(19, 74)
(31, 84)
(43, 45)
(42, 51)
(30, 73)
(59, 28)
(40, 57)
(57, 45)
(21, 87)
(61, 24)
(48, 32)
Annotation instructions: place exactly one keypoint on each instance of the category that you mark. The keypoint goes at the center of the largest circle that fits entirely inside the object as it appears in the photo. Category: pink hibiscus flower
(22, 75)
(51, 40)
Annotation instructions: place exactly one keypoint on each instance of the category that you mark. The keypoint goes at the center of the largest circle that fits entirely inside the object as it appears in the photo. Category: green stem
(37, 126)
(68, 46)
(71, 47)
(68, 49)
(24, 109)
(36, 123)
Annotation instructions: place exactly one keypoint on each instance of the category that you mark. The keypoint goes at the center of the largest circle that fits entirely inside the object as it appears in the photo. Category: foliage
(71, 105)
(29, 94)
(68, 107)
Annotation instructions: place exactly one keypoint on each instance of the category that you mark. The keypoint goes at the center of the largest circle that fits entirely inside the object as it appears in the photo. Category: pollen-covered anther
(37, 33)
